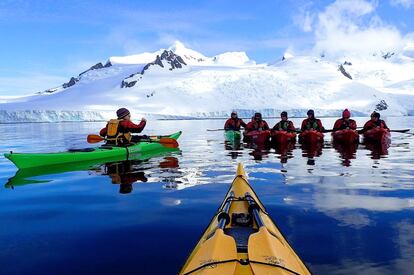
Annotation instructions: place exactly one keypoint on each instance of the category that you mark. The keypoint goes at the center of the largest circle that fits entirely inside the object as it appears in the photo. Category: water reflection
(356, 203)
(310, 151)
(126, 173)
(378, 150)
(123, 172)
(347, 151)
(284, 151)
(234, 147)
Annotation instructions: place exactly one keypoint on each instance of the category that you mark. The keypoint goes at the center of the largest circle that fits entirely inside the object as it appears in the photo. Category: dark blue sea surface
(344, 210)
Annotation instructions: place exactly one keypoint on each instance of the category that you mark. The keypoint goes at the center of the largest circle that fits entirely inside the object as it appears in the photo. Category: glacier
(180, 83)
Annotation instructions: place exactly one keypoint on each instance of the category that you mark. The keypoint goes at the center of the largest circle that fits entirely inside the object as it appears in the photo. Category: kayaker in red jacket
(257, 124)
(375, 122)
(118, 131)
(284, 124)
(234, 123)
(312, 123)
(345, 122)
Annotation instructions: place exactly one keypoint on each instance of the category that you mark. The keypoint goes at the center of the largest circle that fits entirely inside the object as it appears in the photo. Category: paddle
(400, 131)
(216, 129)
(219, 250)
(395, 131)
(167, 142)
(267, 251)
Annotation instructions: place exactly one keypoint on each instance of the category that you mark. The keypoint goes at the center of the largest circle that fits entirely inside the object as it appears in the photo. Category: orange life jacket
(114, 135)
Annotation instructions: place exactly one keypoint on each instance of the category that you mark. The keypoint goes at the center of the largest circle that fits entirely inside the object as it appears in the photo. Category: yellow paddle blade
(277, 256)
(94, 138)
(218, 248)
(168, 142)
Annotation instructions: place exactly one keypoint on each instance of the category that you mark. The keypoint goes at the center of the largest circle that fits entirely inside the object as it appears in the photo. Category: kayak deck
(28, 160)
(232, 135)
(379, 135)
(281, 137)
(242, 239)
(311, 137)
(345, 136)
(257, 137)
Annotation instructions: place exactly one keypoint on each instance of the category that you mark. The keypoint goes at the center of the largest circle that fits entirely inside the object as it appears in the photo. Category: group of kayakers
(119, 131)
(310, 123)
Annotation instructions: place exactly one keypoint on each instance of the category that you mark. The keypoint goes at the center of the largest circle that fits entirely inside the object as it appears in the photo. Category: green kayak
(28, 175)
(29, 160)
(232, 136)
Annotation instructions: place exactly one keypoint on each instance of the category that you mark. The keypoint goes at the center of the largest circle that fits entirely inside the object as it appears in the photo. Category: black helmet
(121, 113)
(258, 115)
(310, 112)
(375, 114)
(283, 114)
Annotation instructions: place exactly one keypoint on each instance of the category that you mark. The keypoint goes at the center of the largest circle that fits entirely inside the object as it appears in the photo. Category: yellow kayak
(242, 239)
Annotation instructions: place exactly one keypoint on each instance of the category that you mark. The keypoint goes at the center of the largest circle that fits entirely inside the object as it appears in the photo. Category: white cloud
(405, 3)
(351, 26)
(305, 17)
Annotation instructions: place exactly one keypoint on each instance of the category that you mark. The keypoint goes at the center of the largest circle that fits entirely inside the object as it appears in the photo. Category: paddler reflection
(123, 173)
(127, 173)
(310, 151)
(378, 150)
(346, 152)
(284, 151)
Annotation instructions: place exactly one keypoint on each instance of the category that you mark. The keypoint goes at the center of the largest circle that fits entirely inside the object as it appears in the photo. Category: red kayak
(379, 135)
(345, 136)
(311, 137)
(280, 137)
(258, 137)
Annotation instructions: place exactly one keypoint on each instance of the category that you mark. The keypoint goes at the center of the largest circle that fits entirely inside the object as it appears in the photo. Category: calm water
(344, 212)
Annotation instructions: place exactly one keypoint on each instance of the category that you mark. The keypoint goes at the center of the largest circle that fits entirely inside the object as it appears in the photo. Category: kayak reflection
(128, 172)
(347, 151)
(258, 153)
(311, 150)
(28, 175)
(284, 150)
(378, 150)
(234, 147)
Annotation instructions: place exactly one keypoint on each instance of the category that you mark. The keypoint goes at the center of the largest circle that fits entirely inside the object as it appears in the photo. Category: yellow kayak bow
(242, 239)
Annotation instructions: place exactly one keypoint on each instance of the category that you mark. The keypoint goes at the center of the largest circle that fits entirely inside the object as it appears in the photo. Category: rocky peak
(388, 55)
(167, 58)
(97, 66)
(175, 61)
(73, 80)
(344, 72)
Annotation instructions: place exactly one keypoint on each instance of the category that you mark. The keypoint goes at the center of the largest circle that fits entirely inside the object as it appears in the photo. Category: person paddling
(234, 123)
(118, 131)
(374, 122)
(284, 124)
(257, 124)
(345, 122)
(312, 123)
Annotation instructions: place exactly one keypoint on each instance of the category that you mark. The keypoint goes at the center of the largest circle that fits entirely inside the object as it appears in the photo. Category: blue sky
(44, 43)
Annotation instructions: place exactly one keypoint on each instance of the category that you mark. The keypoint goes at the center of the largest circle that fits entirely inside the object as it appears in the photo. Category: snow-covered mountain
(181, 83)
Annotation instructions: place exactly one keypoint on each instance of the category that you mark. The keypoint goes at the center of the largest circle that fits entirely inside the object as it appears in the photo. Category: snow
(191, 57)
(142, 58)
(233, 59)
(211, 87)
